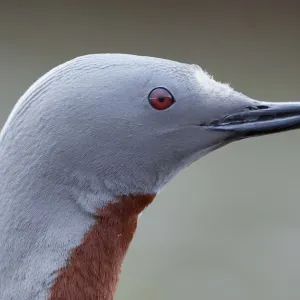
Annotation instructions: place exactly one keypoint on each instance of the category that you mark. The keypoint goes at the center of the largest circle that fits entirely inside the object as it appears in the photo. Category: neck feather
(93, 267)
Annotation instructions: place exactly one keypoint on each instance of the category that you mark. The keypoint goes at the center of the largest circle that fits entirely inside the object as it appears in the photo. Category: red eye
(160, 98)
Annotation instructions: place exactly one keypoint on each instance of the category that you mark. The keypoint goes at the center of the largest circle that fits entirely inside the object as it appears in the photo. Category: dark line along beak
(262, 119)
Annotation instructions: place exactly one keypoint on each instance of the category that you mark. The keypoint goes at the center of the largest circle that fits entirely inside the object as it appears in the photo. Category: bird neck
(51, 248)
(62, 235)
(93, 267)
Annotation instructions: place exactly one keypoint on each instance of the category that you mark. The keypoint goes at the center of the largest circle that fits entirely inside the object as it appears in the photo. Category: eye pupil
(160, 98)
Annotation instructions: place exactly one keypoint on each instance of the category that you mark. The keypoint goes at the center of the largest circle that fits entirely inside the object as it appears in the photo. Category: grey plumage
(85, 133)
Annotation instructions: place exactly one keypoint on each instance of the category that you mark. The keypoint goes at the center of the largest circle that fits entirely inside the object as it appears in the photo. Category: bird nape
(87, 148)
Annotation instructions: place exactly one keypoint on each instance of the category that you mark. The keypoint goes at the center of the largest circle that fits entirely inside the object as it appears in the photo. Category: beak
(263, 118)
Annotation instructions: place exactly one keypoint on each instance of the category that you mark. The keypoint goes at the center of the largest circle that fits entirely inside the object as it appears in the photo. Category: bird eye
(160, 98)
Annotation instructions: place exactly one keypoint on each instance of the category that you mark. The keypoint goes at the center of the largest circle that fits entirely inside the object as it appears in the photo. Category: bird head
(131, 123)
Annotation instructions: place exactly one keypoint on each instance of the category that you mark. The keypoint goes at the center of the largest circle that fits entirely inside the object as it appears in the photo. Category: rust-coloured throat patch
(93, 268)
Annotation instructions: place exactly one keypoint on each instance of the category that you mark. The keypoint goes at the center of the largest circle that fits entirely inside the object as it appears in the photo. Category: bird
(89, 146)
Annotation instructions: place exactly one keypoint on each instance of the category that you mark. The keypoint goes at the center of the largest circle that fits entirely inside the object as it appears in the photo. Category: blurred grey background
(228, 227)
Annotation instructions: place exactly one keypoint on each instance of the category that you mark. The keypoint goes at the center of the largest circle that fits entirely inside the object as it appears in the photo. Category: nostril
(249, 114)
(262, 107)
(254, 107)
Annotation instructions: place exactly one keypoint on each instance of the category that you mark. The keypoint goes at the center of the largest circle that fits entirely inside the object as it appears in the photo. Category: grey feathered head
(124, 124)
